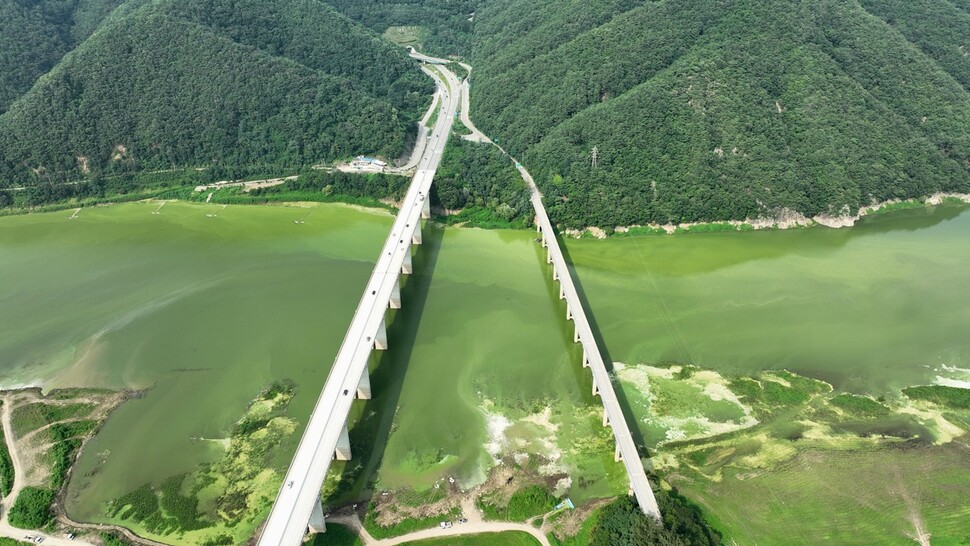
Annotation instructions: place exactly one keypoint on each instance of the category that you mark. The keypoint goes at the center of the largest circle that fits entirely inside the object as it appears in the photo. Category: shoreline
(785, 219)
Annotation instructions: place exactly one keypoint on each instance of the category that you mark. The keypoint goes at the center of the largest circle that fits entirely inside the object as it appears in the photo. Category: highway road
(287, 522)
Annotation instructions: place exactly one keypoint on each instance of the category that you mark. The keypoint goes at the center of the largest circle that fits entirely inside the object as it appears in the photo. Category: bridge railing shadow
(582, 374)
(375, 417)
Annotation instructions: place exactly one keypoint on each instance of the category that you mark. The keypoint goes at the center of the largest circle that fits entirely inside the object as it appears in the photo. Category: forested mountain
(447, 24)
(717, 109)
(35, 35)
(175, 83)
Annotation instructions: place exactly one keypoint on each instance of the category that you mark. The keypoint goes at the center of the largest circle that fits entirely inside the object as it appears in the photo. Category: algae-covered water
(201, 305)
(869, 309)
(204, 305)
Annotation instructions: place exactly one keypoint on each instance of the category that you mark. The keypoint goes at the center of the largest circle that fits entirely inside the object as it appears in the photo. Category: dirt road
(18, 484)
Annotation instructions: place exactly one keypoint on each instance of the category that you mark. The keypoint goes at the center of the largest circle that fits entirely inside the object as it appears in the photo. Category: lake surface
(204, 306)
(872, 308)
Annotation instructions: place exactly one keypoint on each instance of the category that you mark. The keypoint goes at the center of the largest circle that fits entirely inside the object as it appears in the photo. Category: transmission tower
(596, 153)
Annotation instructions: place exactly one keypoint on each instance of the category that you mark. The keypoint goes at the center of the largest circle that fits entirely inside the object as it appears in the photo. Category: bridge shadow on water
(370, 433)
(583, 376)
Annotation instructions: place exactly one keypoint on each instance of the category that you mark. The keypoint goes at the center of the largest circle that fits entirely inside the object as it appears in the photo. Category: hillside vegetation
(35, 36)
(705, 110)
(445, 25)
(179, 83)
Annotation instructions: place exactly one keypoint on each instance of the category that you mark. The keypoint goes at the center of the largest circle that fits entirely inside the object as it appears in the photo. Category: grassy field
(337, 535)
(856, 497)
(815, 466)
(411, 36)
(513, 538)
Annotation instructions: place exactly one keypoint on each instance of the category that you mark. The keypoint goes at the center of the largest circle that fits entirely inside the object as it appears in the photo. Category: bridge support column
(317, 523)
(535, 220)
(585, 358)
(407, 267)
(617, 455)
(416, 238)
(562, 292)
(363, 387)
(576, 333)
(606, 417)
(555, 274)
(569, 312)
(596, 388)
(395, 301)
(342, 453)
(426, 207)
(548, 255)
(380, 340)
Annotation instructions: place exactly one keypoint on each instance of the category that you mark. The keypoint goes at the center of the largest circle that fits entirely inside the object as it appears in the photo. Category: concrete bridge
(625, 449)
(297, 506)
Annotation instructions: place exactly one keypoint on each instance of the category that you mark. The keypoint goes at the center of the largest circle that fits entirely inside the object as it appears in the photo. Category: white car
(445, 525)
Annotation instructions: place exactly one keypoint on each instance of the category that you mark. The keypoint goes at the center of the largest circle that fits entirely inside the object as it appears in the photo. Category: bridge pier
(363, 388)
(342, 453)
(407, 267)
(576, 333)
(596, 388)
(395, 301)
(426, 207)
(317, 523)
(585, 359)
(562, 292)
(569, 312)
(606, 418)
(380, 339)
(617, 454)
(416, 237)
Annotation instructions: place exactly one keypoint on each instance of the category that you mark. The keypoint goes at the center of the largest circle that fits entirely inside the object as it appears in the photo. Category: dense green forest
(447, 24)
(35, 35)
(718, 109)
(178, 83)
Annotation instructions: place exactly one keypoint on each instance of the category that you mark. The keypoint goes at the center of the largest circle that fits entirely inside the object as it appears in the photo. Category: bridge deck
(287, 522)
(601, 377)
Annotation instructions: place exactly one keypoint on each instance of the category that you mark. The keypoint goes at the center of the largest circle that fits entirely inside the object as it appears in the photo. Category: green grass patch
(902, 205)
(714, 227)
(34, 416)
(407, 525)
(6, 467)
(406, 36)
(482, 217)
(530, 501)
(951, 397)
(510, 538)
(114, 540)
(862, 496)
(676, 398)
(859, 406)
(33, 508)
(337, 535)
(638, 231)
(435, 112)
